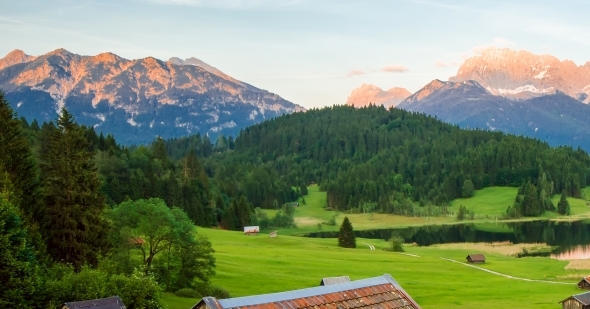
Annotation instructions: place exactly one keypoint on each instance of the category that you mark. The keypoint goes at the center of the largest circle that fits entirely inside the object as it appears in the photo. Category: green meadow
(248, 265)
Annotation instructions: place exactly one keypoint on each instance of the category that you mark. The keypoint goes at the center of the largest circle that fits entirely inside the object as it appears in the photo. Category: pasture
(248, 265)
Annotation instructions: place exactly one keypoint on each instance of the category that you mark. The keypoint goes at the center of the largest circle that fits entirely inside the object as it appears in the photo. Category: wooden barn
(334, 280)
(377, 292)
(578, 301)
(251, 230)
(584, 284)
(113, 302)
(476, 258)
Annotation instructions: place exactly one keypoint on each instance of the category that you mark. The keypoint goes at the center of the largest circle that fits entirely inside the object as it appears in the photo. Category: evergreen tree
(468, 188)
(74, 228)
(346, 238)
(18, 267)
(563, 207)
(16, 158)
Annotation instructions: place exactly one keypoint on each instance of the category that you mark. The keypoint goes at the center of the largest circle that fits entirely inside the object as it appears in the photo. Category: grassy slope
(248, 265)
(488, 204)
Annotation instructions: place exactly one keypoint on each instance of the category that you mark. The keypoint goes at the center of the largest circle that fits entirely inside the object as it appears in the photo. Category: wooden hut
(584, 284)
(251, 230)
(579, 301)
(113, 302)
(334, 280)
(476, 258)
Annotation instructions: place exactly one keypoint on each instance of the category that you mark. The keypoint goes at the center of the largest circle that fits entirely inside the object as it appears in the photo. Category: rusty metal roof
(113, 302)
(381, 292)
(334, 280)
(477, 257)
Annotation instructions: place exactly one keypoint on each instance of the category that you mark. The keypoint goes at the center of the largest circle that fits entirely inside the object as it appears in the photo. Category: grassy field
(248, 265)
(488, 205)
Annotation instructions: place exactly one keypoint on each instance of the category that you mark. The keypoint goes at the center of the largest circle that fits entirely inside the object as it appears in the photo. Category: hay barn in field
(334, 280)
(578, 301)
(584, 283)
(113, 302)
(377, 292)
(476, 258)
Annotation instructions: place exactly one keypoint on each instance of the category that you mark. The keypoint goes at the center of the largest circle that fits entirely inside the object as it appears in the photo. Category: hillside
(135, 100)
(373, 159)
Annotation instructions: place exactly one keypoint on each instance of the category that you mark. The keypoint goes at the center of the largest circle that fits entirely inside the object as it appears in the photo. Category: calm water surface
(571, 239)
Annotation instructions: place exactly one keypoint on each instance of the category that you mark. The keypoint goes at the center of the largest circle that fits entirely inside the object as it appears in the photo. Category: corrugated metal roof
(113, 302)
(584, 298)
(376, 293)
(334, 280)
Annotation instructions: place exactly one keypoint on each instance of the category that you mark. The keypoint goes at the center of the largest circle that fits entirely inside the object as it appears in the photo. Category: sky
(310, 52)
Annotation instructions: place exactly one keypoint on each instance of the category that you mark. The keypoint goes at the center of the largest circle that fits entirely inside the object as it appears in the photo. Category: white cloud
(355, 73)
(396, 68)
(440, 64)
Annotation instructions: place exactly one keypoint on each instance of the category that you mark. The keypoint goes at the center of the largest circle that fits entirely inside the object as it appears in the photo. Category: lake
(571, 239)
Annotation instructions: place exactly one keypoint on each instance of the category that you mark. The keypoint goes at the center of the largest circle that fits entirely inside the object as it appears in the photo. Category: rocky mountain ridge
(522, 74)
(136, 100)
(555, 118)
(367, 93)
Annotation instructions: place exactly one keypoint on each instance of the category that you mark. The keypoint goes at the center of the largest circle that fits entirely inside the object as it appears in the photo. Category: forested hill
(373, 159)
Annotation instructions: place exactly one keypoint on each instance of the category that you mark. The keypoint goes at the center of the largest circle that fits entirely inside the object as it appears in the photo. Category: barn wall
(571, 304)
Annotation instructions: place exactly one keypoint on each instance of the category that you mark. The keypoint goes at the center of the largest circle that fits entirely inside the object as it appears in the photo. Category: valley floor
(248, 265)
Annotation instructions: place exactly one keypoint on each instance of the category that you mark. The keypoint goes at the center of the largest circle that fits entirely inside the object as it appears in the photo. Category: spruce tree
(563, 207)
(74, 228)
(346, 237)
(16, 158)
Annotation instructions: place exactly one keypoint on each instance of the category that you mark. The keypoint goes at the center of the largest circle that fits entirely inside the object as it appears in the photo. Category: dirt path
(371, 247)
(504, 275)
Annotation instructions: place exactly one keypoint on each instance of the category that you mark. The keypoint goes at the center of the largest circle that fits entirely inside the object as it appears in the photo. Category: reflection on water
(571, 239)
(575, 253)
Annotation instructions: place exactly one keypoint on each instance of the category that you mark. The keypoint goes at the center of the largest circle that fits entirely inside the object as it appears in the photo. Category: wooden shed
(334, 280)
(584, 283)
(579, 301)
(476, 258)
(113, 302)
(251, 230)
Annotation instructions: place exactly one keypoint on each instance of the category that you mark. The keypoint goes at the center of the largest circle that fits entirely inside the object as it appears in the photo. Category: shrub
(219, 292)
(188, 293)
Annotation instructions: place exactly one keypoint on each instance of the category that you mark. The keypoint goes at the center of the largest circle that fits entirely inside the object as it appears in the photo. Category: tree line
(66, 235)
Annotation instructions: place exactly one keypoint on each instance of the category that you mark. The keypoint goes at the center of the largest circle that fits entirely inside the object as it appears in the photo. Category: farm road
(504, 275)
(370, 246)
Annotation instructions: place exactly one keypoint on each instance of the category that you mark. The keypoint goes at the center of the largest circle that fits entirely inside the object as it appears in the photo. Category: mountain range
(135, 100)
(368, 93)
(511, 91)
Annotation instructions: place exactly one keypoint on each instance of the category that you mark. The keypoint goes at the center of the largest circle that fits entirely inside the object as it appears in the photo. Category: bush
(396, 243)
(219, 292)
(188, 293)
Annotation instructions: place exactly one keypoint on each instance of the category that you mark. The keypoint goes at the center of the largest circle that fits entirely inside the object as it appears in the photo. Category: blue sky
(312, 53)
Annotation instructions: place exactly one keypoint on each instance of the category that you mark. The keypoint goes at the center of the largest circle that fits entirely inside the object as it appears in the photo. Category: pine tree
(15, 156)
(18, 267)
(563, 207)
(74, 228)
(346, 237)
